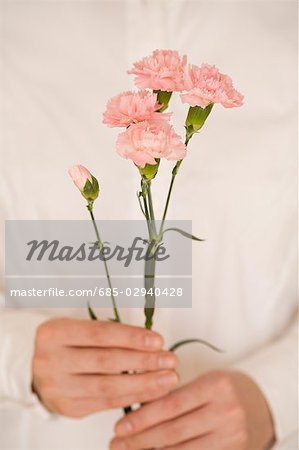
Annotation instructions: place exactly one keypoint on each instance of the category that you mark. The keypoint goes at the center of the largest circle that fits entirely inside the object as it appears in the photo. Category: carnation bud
(149, 171)
(196, 118)
(86, 183)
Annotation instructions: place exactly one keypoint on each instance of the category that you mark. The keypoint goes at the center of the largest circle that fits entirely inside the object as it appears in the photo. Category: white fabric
(60, 62)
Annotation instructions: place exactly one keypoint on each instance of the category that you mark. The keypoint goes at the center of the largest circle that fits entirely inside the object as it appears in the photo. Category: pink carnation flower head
(145, 142)
(132, 107)
(206, 85)
(162, 70)
(79, 174)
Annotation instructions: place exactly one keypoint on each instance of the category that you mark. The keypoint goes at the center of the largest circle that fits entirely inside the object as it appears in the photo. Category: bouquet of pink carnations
(149, 137)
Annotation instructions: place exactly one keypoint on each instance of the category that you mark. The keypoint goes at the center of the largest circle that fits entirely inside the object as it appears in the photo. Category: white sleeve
(17, 337)
(274, 368)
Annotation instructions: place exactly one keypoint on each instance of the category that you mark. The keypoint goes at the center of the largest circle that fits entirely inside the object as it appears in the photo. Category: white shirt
(61, 61)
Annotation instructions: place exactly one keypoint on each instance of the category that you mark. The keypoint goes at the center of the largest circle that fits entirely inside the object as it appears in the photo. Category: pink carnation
(205, 85)
(145, 141)
(163, 70)
(132, 107)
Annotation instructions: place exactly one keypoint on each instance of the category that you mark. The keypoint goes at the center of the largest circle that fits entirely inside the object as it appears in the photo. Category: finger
(208, 442)
(82, 407)
(175, 404)
(196, 423)
(112, 386)
(142, 397)
(219, 440)
(88, 333)
(96, 361)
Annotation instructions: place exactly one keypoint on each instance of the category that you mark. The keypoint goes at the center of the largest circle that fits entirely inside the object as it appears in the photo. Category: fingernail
(123, 428)
(118, 444)
(167, 361)
(153, 341)
(168, 380)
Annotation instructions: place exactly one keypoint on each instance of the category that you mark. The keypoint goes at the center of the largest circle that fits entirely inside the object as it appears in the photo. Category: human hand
(78, 364)
(218, 411)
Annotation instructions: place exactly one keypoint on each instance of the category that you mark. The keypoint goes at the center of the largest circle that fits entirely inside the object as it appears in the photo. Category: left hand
(220, 410)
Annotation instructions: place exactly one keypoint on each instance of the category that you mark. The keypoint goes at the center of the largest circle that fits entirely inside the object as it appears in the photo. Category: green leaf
(91, 313)
(179, 344)
(184, 233)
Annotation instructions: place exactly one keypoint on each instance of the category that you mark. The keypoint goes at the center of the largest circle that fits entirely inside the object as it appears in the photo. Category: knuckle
(172, 403)
(135, 337)
(97, 330)
(103, 326)
(152, 383)
(236, 413)
(224, 383)
(143, 339)
(106, 327)
(102, 360)
(93, 332)
(136, 422)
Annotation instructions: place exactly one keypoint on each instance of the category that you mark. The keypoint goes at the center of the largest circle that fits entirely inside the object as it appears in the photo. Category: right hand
(78, 364)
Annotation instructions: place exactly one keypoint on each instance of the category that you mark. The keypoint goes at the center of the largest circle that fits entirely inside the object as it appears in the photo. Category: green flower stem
(174, 174)
(195, 120)
(148, 207)
(149, 284)
(150, 202)
(150, 263)
(117, 318)
(147, 217)
(151, 208)
(149, 277)
(115, 310)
